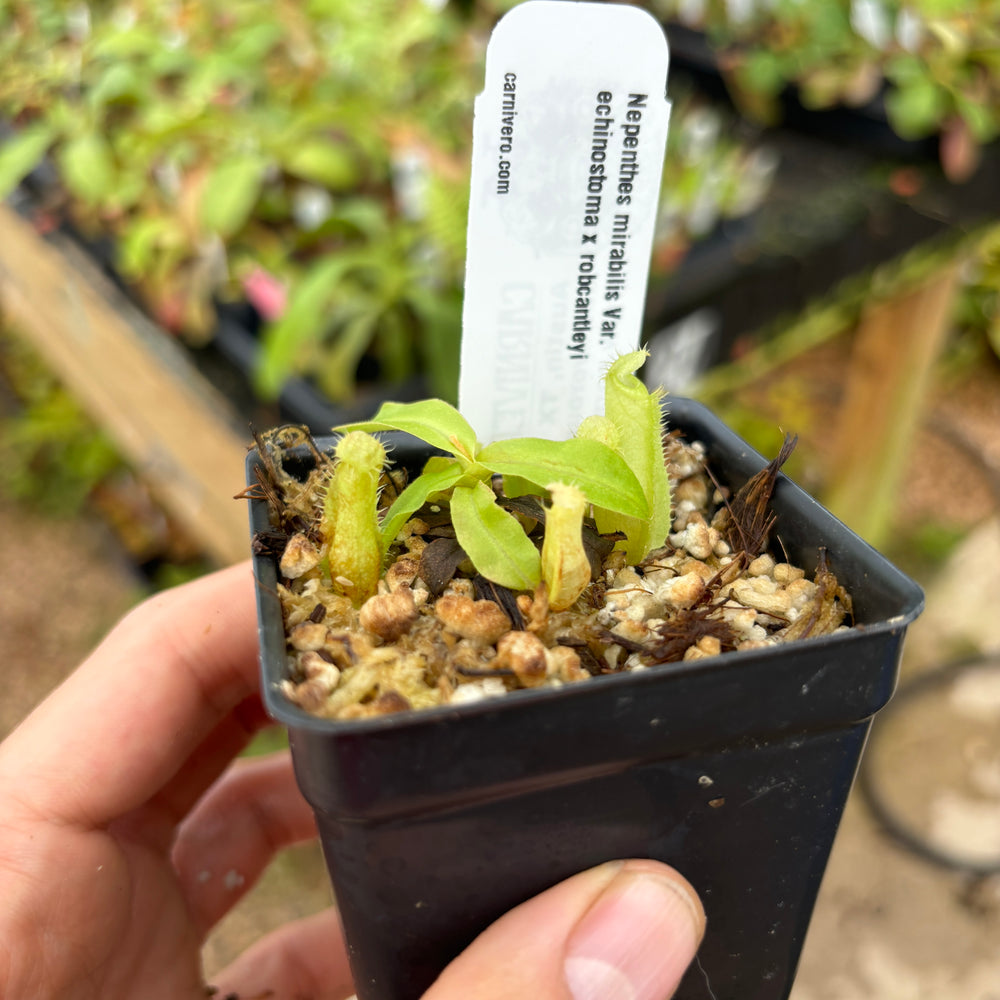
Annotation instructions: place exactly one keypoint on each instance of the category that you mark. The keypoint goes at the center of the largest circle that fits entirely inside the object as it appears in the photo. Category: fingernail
(635, 942)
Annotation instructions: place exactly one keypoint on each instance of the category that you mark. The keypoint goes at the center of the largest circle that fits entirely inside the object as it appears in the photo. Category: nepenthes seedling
(614, 467)
(520, 563)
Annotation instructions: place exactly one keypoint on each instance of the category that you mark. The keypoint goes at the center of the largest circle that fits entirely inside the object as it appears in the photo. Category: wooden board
(896, 347)
(169, 422)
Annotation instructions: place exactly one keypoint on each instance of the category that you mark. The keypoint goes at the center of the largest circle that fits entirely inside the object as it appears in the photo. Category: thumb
(626, 930)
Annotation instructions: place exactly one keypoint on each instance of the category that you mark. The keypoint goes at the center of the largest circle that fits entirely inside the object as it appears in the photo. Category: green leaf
(638, 416)
(904, 69)
(916, 107)
(591, 466)
(326, 163)
(493, 539)
(393, 344)
(88, 167)
(20, 154)
(438, 462)
(762, 71)
(366, 215)
(340, 360)
(230, 193)
(415, 496)
(301, 325)
(254, 42)
(118, 83)
(439, 312)
(432, 420)
(983, 121)
(515, 486)
(143, 240)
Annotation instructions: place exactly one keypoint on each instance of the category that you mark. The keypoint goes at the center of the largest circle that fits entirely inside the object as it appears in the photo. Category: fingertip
(676, 882)
(637, 939)
(306, 958)
(620, 931)
(231, 835)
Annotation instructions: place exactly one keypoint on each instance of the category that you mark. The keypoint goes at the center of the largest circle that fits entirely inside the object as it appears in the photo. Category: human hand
(117, 796)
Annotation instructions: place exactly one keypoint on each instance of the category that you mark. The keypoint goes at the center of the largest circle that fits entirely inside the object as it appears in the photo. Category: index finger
(125, 722)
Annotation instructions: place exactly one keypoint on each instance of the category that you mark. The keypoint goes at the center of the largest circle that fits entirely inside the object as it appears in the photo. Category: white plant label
(567, 157)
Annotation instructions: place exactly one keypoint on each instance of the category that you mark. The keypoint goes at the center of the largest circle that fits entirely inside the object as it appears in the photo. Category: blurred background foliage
(311, 157)
(234, 148)
(53, 455)
(935, 64)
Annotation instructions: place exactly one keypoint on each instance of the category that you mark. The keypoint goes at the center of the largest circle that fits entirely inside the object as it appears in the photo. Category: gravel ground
(888, 925)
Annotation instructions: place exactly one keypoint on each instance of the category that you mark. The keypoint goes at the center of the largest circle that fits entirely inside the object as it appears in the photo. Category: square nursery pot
(734, 769)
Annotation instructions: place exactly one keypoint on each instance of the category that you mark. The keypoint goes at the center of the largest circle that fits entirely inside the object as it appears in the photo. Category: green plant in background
(312, 157)
(382, 286)
(618, 469)
(56, 460)
(218, 142)
(716, 168)
(941, 59)
(53, 455)
(979, 302)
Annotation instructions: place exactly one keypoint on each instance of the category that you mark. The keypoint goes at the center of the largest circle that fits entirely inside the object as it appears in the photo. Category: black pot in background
(733, 769)
(237, 340)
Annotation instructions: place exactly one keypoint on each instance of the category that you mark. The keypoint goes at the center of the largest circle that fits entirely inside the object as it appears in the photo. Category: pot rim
(273, 656)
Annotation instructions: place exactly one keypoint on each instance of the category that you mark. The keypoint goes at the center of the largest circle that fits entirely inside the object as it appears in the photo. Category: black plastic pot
(733, 769)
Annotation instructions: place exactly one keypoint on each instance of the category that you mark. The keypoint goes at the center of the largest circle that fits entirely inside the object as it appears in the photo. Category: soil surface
(888, 925)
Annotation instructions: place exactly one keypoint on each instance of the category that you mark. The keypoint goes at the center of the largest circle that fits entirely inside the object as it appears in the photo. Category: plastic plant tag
(568, 145)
